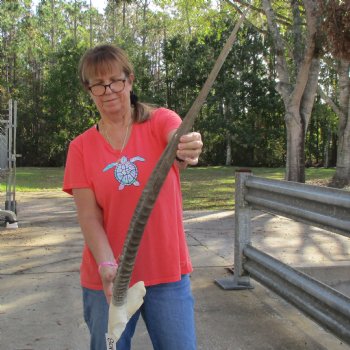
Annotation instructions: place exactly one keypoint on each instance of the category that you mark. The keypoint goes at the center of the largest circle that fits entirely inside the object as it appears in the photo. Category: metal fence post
(240, 278)
(8, 164)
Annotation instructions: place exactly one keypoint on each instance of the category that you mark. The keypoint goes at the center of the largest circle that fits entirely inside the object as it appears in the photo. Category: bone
(152, 189)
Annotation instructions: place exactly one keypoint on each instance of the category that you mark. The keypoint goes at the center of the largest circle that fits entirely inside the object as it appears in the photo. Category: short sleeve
(164, 121)
(75, 174)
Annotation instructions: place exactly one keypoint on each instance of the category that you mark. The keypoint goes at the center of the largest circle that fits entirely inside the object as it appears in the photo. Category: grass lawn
(207, 188)
(213, 188)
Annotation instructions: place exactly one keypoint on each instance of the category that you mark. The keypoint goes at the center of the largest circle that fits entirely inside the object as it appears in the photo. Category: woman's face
(112, 104)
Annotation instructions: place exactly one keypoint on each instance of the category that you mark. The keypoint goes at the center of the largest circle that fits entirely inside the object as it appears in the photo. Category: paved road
(40, 303)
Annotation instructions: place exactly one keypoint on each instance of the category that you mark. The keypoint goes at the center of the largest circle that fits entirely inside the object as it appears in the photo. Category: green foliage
(68, 110)
(173, 47)
(242, 104)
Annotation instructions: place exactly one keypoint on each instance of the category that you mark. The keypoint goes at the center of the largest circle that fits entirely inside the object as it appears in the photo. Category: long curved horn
(155, 182)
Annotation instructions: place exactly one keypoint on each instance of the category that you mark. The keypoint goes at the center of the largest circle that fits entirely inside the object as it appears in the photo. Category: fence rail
(318, 206)
(328, 208)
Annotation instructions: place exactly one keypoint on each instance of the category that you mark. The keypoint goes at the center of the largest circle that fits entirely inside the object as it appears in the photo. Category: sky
(99, 4)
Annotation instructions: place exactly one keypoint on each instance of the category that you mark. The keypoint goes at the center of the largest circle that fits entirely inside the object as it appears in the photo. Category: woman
(107, 168)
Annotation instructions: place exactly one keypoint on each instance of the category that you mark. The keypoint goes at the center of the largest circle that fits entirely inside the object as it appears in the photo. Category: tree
(298, 77)
(336, 26)
(13, 20)
(69, 111)
(173, 47)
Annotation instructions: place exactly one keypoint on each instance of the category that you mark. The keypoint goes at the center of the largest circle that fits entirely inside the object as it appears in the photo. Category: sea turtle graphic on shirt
(125, 171)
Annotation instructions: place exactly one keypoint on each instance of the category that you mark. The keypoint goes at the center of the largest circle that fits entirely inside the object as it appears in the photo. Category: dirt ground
(40, 301)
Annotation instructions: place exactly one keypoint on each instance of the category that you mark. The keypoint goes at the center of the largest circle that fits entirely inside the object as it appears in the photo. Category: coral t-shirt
(92, 163)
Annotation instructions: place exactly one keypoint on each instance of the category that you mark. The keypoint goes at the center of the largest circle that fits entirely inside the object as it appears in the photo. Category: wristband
(106, 263)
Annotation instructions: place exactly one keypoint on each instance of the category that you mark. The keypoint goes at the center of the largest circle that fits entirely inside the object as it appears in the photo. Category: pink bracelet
(106, 263)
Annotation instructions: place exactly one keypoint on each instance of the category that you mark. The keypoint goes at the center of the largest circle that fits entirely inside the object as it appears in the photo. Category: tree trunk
(124, 13)
(342, 110)
(75, 23)
(342, 174)
(298, 92)
(295, 165)
(53, 24)
(167, 78)
(228, 137)
(228, 149)
(90, 18)
(327, 148)
(188, 19)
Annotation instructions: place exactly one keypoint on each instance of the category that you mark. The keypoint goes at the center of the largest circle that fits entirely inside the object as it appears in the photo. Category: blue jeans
(167, 310)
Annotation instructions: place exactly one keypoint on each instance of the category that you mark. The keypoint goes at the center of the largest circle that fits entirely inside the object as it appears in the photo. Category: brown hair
(102, 59)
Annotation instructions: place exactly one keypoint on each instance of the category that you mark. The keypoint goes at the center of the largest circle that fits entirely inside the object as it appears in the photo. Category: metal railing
(327, 208)
(8, 126)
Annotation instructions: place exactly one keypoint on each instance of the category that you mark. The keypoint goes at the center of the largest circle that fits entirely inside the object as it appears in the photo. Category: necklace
(105, 133)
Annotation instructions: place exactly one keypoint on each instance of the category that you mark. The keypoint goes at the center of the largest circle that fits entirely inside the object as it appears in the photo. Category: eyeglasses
(115, 86)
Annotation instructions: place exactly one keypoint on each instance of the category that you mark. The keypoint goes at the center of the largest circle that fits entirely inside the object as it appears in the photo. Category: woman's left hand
(108, 274)
(190, 147)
